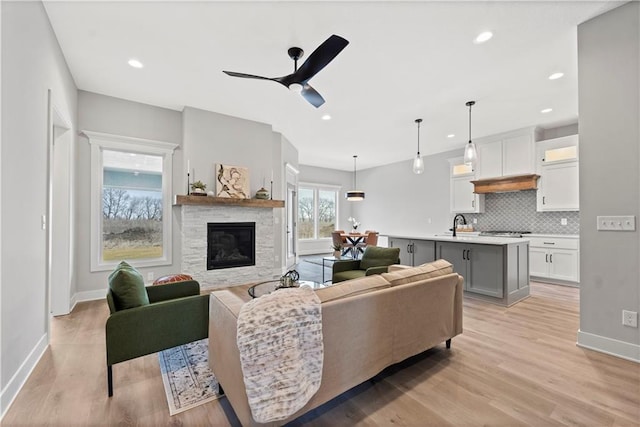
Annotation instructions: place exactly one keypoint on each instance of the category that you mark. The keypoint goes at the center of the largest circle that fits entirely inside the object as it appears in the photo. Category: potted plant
(198, 187)
(337, 250)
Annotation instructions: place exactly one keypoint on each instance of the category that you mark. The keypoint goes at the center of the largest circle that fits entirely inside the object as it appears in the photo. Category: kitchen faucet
(455, 221)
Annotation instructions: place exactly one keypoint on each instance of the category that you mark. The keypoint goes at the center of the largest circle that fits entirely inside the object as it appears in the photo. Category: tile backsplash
(516, 211)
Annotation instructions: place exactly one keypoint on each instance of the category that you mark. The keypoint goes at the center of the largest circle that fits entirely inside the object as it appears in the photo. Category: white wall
(32, 63)
(100, 113)
(402, 203)
(608, 58)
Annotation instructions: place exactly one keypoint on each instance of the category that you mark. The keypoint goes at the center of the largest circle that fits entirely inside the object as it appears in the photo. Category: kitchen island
(495, 269)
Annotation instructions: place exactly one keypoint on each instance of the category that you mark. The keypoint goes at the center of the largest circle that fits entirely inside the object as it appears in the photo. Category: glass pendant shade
(470, 153)
(354, 195)
(418, 165)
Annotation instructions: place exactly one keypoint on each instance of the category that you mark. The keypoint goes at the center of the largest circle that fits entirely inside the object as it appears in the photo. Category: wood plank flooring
(511, 367)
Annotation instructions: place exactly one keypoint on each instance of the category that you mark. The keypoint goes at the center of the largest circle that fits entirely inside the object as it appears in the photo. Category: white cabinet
(558, 185)
(462, 197)
(555, 258)
(507, 154)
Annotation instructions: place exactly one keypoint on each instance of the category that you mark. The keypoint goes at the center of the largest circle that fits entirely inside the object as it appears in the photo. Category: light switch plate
(616, 223)
(563, 221)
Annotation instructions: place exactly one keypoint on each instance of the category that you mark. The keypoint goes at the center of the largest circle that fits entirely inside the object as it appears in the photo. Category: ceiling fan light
(295, 87)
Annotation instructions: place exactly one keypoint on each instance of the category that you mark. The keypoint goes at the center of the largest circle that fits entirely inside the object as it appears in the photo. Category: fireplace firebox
(231, 244)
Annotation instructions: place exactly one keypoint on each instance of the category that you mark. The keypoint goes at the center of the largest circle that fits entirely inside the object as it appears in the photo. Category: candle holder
(271, 192)
(188, 185)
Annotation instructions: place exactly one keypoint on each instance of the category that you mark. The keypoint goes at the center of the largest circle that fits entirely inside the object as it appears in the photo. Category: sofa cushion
(171, 278)
(127, 285)
(375, 256)
(352, 287)
(425, 271)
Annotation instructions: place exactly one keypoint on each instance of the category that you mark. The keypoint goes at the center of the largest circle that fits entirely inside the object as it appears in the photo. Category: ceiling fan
(298, 80)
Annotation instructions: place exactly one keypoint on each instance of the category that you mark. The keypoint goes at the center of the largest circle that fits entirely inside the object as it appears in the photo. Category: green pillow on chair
(376, 256)
(127, 285)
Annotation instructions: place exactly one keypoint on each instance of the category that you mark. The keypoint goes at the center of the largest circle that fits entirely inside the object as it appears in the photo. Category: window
(130, 201)
(317, 211)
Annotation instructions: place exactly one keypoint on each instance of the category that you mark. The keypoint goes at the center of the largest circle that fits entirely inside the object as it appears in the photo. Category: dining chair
(370, 240)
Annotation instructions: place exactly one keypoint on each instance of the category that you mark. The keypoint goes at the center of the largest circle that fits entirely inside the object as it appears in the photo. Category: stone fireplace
(197, 212)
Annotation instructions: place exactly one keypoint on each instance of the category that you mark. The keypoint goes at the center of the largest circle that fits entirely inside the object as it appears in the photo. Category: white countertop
(483, 240)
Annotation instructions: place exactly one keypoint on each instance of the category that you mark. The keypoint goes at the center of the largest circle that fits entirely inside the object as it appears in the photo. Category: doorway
(59, 213)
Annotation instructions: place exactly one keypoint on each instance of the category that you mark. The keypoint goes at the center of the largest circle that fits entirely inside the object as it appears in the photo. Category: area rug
(188, 381)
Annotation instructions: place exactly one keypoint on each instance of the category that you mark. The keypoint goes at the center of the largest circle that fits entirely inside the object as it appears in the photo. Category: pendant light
(354, 195)
(470, 153)
(418, 163)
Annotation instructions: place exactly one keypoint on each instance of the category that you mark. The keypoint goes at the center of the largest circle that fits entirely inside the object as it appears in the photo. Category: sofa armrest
(347, 265)
(173, 290)
(376, 270)
(151, 328)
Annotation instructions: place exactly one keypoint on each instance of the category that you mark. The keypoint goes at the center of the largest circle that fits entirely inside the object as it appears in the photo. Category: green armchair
(375, 260)
(176, 314)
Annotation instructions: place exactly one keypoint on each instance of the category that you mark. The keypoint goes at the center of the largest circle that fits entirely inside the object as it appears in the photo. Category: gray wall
(608, 49)
(100, 113)
(32, 63)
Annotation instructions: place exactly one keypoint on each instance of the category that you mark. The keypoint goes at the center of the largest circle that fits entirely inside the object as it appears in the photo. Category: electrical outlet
(630, 318)
(563, 221)
(150, 276)
(475, 220)
(616, 223)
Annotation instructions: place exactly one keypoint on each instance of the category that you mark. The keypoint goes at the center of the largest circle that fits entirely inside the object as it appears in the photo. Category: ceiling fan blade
(245, 76)
(312, 96)
(319, 58)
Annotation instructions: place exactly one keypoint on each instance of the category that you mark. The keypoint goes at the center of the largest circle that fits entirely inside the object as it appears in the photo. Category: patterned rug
(188, 381)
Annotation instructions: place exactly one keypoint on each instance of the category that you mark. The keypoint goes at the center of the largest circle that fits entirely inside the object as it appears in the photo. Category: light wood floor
(510, 367)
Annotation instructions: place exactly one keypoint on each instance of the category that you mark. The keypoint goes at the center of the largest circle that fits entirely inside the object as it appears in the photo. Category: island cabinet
(412, 251)
(495, 273)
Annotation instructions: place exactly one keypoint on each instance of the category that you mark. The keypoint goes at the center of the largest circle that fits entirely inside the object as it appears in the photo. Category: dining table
(358, 242)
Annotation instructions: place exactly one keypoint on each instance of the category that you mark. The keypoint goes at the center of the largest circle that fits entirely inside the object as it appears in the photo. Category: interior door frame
(58, 294)
(291, 216)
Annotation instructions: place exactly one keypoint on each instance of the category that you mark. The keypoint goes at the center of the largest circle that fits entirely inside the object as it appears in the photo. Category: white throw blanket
(281, 351)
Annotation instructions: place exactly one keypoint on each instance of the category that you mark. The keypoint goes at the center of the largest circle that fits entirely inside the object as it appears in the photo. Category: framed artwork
(232, 181)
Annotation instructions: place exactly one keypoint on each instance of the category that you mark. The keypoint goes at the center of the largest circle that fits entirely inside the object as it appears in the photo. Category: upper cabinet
(508, 154)
(557, 165)
(462, 197)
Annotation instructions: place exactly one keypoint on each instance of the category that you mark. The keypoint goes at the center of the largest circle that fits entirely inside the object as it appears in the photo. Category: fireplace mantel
(182, 200)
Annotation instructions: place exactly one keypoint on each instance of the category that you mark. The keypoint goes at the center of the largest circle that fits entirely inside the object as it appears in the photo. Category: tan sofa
(368, 324)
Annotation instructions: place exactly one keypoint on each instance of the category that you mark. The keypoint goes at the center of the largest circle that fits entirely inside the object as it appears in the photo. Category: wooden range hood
(506, 184)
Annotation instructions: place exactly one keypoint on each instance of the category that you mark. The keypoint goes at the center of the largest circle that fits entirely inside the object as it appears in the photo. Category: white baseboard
(15, 384)
(621, 349)
(89, 296)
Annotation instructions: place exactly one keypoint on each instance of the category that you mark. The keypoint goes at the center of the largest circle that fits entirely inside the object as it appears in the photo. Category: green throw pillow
(127, 285)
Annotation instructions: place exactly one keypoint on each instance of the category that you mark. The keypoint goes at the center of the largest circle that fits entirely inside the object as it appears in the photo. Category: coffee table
(264, 288)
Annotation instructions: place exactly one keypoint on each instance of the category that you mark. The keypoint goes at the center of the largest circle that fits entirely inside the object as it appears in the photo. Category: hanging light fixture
(470, 153)
(418, 163)
(354, 195)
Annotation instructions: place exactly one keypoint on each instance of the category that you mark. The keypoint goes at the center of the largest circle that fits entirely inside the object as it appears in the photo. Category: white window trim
(100, 141)
(318, 187)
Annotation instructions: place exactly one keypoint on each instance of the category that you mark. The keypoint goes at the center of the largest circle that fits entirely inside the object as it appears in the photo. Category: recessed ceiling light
(450, 135)
(326, 117)
(483, 37)
(555, 76)
(135, 63)
(546, 110)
